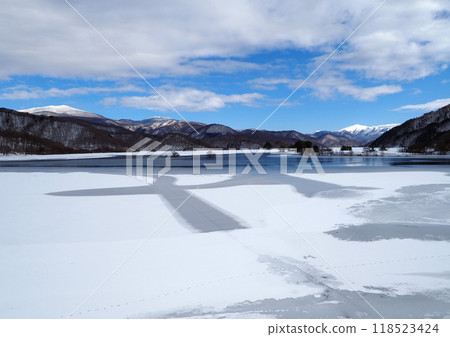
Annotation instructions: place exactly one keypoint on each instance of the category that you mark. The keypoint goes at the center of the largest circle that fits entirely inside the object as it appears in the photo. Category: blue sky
(230, 63)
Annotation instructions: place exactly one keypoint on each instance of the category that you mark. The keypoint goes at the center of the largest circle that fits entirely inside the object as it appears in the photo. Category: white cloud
(272, 83)
(404, 40)
(109, 101)
(157, 37)
(222, 66)
(25, 92)
(166, 37)
(329, 86)
(370, 93)
(188, 99)
(429, 106)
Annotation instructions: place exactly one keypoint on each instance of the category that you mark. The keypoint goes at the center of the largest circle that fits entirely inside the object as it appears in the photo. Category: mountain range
(355, 135)
(352, 135)
(64, 128)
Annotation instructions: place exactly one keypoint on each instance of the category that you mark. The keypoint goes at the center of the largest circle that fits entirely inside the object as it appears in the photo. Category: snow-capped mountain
(220, 135)
(155, 123)
(68, 111)
(160, 125)
(155, 119)
(58, 110)
(367, 131)
(352, 135)
(25, 132)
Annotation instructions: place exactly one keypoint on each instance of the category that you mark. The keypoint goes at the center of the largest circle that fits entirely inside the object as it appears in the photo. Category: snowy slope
(58, 110)
(150, 120)
(367, 131)
(352, 135)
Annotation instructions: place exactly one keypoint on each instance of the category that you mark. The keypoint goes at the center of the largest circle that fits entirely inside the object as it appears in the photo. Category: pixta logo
(141, 161)
(141, 157)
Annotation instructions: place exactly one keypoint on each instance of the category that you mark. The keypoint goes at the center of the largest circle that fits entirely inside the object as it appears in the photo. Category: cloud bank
(429, 106)
(186, 99)
(405, 40)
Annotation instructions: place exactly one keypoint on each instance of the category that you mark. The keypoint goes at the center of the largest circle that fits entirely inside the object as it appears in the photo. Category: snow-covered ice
(297, 246)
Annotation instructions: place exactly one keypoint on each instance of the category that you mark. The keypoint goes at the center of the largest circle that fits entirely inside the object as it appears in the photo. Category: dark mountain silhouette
(63, 129)
(27, 133)
(432, 130)
(22, 132)
(54, 130)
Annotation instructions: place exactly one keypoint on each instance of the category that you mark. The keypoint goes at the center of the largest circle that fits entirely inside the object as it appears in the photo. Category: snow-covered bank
(14, 157)
(61, 235)
(356, 151)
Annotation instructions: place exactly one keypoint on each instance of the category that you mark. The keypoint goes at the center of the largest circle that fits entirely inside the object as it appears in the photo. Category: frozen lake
(269, 161)
(370, 238)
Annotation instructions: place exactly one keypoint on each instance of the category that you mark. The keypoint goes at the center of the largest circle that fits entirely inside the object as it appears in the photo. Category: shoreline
(356, 152)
